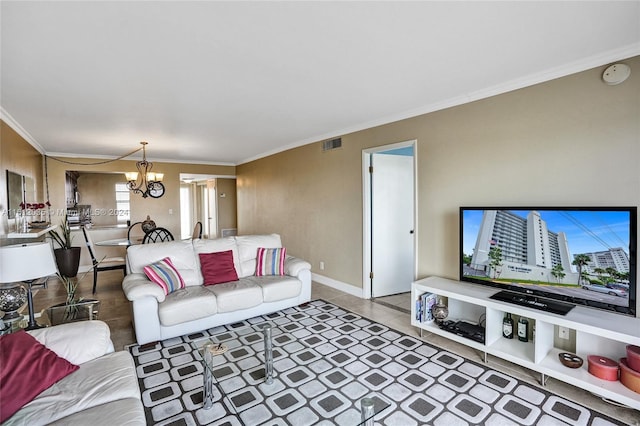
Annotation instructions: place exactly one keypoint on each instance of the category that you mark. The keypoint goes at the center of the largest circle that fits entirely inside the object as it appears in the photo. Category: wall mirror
(29, 190)
(15, 193)
(103, 194)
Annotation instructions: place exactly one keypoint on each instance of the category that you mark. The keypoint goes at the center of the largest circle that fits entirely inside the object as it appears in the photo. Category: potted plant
(74, 308)
(67, 257)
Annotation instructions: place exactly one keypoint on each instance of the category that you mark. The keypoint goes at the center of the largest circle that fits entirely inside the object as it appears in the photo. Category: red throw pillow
(27, 368)
(218, 267)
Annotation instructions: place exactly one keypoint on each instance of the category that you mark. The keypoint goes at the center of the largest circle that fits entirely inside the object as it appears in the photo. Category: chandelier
(144, 181)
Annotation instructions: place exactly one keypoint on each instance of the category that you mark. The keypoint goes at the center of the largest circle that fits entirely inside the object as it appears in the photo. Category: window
(123, 206)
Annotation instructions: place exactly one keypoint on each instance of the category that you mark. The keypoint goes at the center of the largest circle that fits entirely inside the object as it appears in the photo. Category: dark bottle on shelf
(507, 326)
(523, 329)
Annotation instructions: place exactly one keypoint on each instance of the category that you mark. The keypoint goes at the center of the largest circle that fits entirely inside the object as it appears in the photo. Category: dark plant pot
(68, 261)
(81, 311)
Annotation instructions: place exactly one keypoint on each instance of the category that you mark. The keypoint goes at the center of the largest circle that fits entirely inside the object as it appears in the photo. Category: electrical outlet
(322, 266)
(563, 333)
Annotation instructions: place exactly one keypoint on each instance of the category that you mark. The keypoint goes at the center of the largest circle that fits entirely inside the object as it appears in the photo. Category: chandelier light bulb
(131, 176)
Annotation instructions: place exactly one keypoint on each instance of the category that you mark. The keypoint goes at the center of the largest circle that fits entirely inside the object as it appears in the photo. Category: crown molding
(11, 122)
(575, 67)
(134, 157)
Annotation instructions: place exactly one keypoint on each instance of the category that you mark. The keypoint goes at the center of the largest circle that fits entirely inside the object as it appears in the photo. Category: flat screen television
(553, 258)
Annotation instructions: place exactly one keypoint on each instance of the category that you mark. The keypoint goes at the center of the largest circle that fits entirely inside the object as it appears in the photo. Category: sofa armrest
(293, 266)
(77, 342)
(137, 286)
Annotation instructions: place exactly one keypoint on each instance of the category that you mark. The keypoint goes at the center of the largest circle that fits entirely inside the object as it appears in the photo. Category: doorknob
(411, 232)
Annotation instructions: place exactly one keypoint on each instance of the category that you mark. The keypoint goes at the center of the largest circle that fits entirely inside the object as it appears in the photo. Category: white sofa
(103, 391)
(197, 307)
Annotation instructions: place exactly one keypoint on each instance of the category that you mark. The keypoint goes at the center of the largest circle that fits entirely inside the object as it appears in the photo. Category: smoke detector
(616, 74)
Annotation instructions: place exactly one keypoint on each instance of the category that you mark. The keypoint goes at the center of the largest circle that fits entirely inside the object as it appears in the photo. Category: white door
(392, 224)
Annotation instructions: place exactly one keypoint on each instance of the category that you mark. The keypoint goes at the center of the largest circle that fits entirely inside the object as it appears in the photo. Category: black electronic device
(553, 258)
(535, 302)
(465, 329)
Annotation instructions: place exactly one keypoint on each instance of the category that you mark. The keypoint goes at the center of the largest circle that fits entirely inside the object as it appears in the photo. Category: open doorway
(210, 200)
(389, 212)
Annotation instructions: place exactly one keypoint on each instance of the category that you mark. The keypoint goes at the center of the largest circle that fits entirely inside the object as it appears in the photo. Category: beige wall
(227, 204)
(571, 141)
(157, 208)
(18, 156)
(98, 191)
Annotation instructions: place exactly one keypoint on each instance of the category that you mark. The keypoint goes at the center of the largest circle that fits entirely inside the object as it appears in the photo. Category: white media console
(596, 333)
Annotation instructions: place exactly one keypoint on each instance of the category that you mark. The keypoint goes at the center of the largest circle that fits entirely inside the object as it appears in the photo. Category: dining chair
(157, 235)
(197, 231)
(105, 264)
(135, 234)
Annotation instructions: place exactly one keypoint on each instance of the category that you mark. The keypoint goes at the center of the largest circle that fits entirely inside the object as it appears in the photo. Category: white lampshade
(131, 176)
(154, 177)
(23, 262)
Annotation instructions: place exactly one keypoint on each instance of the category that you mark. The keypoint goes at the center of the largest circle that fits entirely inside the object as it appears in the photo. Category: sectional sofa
(103, 390)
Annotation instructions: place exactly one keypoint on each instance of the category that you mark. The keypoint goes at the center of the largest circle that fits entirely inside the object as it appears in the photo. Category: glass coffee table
(263, 371)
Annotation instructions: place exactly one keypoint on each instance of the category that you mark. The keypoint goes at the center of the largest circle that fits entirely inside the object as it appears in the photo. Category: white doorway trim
(366, 211)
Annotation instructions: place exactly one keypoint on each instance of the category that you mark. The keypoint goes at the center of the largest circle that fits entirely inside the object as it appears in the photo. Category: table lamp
(24, 263)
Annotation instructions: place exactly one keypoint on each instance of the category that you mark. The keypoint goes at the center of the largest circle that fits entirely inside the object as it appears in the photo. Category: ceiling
(229, 82)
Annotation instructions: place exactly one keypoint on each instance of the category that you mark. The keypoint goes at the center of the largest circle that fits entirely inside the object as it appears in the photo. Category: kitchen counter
(31, 233)
(99, 227)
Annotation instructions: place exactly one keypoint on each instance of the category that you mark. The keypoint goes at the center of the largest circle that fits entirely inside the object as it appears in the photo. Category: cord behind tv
(534, 302)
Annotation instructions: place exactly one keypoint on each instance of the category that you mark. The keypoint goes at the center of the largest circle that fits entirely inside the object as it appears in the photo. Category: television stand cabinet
(596, 332)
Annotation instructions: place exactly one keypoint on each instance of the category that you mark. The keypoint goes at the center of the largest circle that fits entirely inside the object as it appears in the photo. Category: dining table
(116, 242)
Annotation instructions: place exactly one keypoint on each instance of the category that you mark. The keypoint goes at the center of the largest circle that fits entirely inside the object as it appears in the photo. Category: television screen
(584, 256)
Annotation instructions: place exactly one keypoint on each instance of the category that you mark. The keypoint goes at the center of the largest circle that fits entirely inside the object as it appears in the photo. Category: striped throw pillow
(165, 275)
(270, 261)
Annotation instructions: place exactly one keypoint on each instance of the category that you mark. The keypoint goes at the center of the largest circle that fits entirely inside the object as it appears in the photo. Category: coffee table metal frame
(208, 346)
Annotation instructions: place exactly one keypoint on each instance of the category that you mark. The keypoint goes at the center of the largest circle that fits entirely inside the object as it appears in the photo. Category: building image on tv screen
(581, 254)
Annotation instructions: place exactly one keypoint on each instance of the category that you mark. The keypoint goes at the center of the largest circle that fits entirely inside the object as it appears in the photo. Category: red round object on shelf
(603, 367)
(628, 377)
(633, 357)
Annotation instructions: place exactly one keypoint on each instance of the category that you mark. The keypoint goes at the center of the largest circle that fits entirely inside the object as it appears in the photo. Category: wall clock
(156, 190)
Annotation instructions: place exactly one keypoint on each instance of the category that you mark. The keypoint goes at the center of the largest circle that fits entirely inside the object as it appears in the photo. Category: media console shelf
(596, 333)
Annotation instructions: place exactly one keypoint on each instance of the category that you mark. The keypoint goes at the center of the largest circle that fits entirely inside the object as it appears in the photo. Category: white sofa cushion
(276, 287)
(137, 286)
(180, 252)
(187, 304)
(236, 295)
(215, 246)
(248, 250)
(124, 412)
(77, 342)
(97, 382)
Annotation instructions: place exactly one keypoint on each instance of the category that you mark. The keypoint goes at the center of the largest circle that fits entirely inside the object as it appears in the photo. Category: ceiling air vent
(331, 144)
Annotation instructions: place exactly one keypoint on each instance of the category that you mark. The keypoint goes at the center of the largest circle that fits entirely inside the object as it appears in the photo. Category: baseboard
(338, 285)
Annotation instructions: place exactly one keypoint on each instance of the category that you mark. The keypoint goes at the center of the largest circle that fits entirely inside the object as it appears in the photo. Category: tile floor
(115, 311)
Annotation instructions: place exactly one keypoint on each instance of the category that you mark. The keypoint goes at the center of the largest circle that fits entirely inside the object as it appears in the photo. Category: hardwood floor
(115, 309)
(116, 312)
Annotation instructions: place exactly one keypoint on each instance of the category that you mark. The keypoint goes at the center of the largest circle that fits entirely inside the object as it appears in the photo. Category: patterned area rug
(325, 361)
